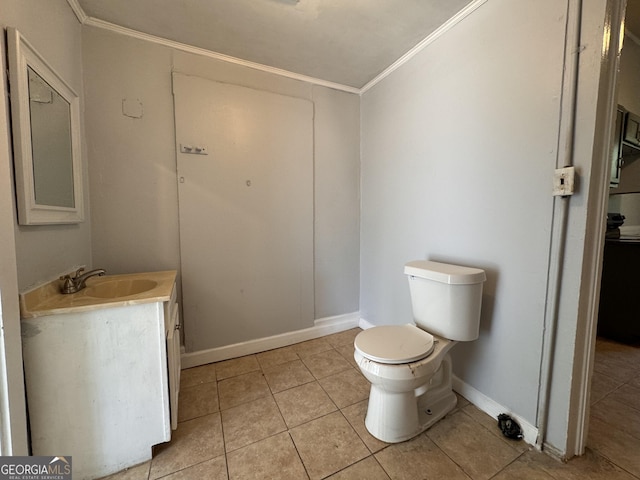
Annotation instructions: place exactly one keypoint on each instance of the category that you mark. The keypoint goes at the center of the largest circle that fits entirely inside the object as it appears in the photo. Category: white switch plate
(564, 181)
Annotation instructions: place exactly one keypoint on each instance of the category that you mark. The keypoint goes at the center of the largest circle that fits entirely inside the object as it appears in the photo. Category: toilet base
(396, 417)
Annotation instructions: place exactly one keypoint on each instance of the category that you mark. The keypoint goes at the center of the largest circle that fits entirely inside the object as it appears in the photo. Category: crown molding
(77, 9)
(94, 22)
(437, 33)
(84, 19)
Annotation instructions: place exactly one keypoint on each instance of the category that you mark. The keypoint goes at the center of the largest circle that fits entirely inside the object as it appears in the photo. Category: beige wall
(459, 146)
(442, 140)
(423, 176)
(41, 252)
(132, 162)
(44, 252)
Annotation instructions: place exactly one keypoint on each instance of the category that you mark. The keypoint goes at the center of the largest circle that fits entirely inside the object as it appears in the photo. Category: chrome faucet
(75, 283)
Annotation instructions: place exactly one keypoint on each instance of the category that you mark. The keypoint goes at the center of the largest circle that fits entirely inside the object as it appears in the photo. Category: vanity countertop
(47, 299)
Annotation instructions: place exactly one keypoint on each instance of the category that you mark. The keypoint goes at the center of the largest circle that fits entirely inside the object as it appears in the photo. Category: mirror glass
(46, 145)
(50, 143)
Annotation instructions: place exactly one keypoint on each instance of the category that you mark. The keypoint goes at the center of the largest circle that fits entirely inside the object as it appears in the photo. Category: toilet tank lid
(444, 272)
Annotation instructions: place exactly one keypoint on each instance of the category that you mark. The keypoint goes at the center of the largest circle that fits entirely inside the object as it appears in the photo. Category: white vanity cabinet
(102, 382)
(172, 333)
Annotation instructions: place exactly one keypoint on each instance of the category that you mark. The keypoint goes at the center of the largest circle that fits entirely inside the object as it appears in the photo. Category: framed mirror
(45, 117)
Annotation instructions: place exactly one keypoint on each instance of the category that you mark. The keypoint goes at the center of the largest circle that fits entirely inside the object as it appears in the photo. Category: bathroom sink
(100, 292)
(119, 288)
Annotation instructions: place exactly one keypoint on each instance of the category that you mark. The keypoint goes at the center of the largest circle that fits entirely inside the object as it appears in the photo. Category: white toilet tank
(446, 299)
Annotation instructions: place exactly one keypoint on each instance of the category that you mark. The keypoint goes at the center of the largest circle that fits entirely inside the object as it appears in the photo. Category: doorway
(600, 140)
(615, 380)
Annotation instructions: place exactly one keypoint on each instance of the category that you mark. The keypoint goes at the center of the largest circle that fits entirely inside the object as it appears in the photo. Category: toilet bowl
(409, 366)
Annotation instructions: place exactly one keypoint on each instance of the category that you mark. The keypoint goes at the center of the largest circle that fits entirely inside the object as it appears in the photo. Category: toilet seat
(394, 344)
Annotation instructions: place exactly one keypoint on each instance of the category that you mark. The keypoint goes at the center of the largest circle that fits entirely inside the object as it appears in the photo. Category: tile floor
(298, 413)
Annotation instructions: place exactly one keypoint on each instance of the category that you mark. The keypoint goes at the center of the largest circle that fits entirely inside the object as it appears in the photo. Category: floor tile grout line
(619, 466)
(623, 403)
(621, 384)
(478, 424)
(224, 442)
(371, 455)
(315, 380)
(520, 455)
(295, 447)
(605, 396)
(284, 420)
(387, 473)
(611, 461)
(446, 454)
(604, 455)
(350, 426)
(191, 466)
(341, 410)
(425, 433)
(286, 389)
(637, 409)
(490, 431)
(289, 429)
(262, 367)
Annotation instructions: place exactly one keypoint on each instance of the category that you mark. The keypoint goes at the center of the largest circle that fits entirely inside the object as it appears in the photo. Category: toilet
(409, 366)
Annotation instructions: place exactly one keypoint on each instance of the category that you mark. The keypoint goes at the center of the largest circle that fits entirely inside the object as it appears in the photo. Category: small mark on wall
(132, 108)
(29, 330)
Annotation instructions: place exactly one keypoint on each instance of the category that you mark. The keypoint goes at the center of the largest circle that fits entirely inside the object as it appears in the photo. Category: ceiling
(346, 42)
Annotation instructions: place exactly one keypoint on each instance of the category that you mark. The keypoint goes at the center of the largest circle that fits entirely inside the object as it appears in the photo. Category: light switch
(564, 181)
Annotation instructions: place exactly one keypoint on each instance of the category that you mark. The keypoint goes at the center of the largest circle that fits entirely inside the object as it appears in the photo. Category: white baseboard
(493, 409)
(340, 323)
(322, 327)
(363, 324)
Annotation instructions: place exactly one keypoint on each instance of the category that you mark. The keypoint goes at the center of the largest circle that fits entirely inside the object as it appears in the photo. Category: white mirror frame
(23, 55)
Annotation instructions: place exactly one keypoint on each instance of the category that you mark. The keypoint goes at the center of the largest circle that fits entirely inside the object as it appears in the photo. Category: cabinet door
(173, 364)
(616, 151)
(632, 129)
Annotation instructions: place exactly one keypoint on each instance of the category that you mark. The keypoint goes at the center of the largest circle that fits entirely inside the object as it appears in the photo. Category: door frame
(586, 331)
(13, 411)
